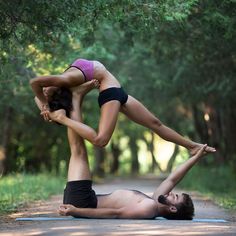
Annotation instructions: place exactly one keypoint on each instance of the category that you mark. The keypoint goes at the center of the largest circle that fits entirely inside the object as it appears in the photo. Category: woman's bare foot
(197, 146)
(58, 115)
(84, 88)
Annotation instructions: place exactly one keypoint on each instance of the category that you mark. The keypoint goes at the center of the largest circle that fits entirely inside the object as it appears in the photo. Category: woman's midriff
(106, 79)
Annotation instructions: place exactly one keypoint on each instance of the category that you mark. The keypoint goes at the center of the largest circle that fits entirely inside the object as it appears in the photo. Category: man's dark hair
(185, 210)
(61, 99)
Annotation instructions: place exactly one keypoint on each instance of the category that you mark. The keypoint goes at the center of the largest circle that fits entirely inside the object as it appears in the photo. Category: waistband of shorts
(83, 182)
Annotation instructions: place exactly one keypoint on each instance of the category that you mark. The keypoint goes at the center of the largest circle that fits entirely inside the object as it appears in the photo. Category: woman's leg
(138, 113)
(107, 123)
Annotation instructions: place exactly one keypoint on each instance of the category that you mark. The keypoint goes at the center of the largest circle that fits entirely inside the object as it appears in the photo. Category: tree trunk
(6, 136)
(115, 153)
(172, 159)
(99, 155)
(150, 146)
(134, 155)
(200, 124)
(228, 117)
(214, 131)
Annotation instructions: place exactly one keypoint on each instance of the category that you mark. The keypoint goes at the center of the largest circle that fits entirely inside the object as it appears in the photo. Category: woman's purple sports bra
(85, 66)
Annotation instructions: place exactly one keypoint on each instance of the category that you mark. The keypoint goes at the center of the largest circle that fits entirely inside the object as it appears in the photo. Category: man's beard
(162, 199)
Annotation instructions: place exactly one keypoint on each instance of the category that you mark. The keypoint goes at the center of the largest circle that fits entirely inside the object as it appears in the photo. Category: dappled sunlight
(124, 227)
(135, 227)
(163, 151)
(40, 208)
(30, 233)
(2, 154)
(32, 214)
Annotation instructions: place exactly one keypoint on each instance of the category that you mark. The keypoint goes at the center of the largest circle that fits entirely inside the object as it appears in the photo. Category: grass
(217, 183)
(17, 190)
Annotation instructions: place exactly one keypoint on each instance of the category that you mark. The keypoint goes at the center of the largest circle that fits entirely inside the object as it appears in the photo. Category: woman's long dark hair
(61, 99)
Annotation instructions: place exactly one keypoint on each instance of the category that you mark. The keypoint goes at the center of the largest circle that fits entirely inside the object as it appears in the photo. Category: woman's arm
(38, 83)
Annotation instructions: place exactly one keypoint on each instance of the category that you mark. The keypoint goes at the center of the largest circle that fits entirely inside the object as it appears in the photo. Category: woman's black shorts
(80, 194)
(113, 93)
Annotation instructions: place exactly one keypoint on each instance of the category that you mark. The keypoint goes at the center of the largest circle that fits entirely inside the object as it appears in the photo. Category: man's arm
(175, 177)
(139, 211)
(106, 213)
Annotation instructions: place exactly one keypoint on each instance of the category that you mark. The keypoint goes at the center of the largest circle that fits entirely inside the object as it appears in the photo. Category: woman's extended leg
(138, 113)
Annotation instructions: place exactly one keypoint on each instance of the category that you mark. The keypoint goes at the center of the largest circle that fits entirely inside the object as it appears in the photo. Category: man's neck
(161, 209)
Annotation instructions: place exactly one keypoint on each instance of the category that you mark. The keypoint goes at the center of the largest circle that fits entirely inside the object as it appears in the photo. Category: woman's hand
(45, 112)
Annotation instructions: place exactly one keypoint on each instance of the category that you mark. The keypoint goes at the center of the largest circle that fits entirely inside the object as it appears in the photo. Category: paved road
(204, 209)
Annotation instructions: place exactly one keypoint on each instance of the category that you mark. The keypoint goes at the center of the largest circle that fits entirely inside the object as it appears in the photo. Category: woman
(112, 100)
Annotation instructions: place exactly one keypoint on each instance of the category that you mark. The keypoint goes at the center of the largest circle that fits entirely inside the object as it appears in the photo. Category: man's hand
(197, 146)
(201, 152)
(67, 210)
(96, 83)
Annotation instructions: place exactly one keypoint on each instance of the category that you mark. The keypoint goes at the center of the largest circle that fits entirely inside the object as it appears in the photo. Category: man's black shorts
(79, 193)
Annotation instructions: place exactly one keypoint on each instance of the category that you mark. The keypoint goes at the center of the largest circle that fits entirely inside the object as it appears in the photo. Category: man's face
(173, 198)
(49, 91)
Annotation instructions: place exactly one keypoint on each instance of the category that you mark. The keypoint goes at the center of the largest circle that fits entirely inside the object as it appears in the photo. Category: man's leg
(78, 165)
(78, 190)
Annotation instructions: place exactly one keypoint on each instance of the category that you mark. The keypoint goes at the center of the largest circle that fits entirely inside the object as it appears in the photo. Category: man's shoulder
(149, 203)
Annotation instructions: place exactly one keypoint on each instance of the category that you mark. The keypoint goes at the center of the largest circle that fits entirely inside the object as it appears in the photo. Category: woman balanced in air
(112, 99)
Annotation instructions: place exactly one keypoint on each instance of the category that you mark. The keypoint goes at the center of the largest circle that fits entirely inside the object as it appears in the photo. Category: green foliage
(19, 189)
(218, 183)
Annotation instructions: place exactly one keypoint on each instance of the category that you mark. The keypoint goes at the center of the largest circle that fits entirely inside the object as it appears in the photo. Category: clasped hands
(45, 112)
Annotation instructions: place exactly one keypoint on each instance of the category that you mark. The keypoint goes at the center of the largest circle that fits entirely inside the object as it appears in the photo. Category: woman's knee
(155, 123)
(101, 140)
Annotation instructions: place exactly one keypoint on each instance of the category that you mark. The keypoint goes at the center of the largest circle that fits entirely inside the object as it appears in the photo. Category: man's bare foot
(58, 115)
(84, 88)
(197, 146)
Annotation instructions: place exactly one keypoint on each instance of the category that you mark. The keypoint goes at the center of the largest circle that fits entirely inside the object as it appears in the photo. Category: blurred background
(177, 57)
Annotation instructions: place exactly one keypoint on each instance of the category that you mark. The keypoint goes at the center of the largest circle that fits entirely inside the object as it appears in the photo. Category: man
(80, 199)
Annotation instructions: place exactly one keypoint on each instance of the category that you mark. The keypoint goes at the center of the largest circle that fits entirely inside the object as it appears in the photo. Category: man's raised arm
(177, 175)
